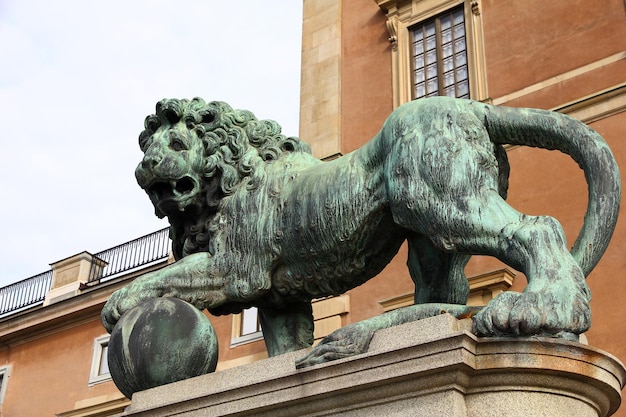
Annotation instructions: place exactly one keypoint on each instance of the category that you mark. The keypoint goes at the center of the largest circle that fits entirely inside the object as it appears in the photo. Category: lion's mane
(237, 146)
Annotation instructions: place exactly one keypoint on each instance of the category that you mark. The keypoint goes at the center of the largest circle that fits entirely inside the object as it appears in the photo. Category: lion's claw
(533, 313)
(123, 300)
(113, 309)
(342, 343)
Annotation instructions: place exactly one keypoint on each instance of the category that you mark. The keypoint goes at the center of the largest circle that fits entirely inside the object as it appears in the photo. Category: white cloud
(77, 80)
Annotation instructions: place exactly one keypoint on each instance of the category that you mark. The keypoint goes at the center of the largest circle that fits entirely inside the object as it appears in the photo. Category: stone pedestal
(434, 367)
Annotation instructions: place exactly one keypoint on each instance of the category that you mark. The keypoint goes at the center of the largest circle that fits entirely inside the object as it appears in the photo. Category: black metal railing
(26, 293)
(140, 252)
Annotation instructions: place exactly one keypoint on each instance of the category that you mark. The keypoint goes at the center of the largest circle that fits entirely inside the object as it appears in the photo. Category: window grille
(440, 56)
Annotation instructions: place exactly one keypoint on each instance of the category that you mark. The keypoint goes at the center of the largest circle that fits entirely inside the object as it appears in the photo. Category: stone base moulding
(433, 367)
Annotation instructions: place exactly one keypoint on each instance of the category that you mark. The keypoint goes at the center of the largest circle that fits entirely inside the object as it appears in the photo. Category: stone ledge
(432, 367)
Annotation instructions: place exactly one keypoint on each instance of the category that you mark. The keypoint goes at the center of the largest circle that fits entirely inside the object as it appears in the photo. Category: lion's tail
(551, 130)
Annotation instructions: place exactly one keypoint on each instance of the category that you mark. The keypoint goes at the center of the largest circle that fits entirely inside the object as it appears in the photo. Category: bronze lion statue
(256, 220)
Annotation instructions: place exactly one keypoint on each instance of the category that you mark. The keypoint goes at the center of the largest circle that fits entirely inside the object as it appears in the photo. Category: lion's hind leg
(556, 299)
(446, 181)
(438, 275)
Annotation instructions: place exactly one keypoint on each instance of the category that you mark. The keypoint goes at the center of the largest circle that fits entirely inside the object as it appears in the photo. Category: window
(440, 56)
(246, 327)
(5, 372)
(436, 49)
(99, 362)
(250, 321)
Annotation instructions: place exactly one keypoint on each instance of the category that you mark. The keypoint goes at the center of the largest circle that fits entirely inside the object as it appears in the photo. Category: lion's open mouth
(165, 194)
(184, 185)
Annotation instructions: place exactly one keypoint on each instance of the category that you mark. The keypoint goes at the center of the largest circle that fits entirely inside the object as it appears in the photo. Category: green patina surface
(159, 341)
(256, 220)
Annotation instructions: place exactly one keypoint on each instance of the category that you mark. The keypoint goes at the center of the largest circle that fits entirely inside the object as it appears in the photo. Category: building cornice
(597, 106)
(45, 320)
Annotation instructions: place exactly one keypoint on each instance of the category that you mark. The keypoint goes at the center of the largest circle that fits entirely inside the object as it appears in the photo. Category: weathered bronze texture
(257, 220)
(159, 341)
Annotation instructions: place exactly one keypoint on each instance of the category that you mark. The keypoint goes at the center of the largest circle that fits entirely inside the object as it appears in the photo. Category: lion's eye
(177, 145)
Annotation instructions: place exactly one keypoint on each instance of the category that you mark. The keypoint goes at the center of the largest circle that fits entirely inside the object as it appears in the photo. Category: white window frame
(403, 14)
(99, 350)
(238, 338)
(5, 372)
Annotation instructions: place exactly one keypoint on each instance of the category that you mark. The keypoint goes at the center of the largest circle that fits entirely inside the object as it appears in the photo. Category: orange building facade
(360, 60)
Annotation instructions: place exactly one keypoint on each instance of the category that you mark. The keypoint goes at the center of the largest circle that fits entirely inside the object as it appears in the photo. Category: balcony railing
(128, 256)
(139, 253)
(26, 293)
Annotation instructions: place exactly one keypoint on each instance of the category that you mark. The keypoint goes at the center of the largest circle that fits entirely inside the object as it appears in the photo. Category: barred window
(440, 56)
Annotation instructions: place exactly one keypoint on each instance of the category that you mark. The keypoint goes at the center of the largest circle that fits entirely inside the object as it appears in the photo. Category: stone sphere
(161, 340)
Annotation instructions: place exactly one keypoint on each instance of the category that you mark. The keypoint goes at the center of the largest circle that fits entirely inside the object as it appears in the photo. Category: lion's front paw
(342, 343)
(123, 300)
(563, 314)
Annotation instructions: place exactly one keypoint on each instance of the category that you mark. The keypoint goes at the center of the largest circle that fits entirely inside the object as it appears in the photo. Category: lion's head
(195, 154)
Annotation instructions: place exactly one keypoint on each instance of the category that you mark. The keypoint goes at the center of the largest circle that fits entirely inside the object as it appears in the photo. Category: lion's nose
(149, 162)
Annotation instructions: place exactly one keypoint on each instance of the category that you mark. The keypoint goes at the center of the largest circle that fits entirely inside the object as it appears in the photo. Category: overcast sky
(77, 78)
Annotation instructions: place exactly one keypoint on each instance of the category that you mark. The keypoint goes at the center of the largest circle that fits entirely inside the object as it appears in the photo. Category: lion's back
(335, 227)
